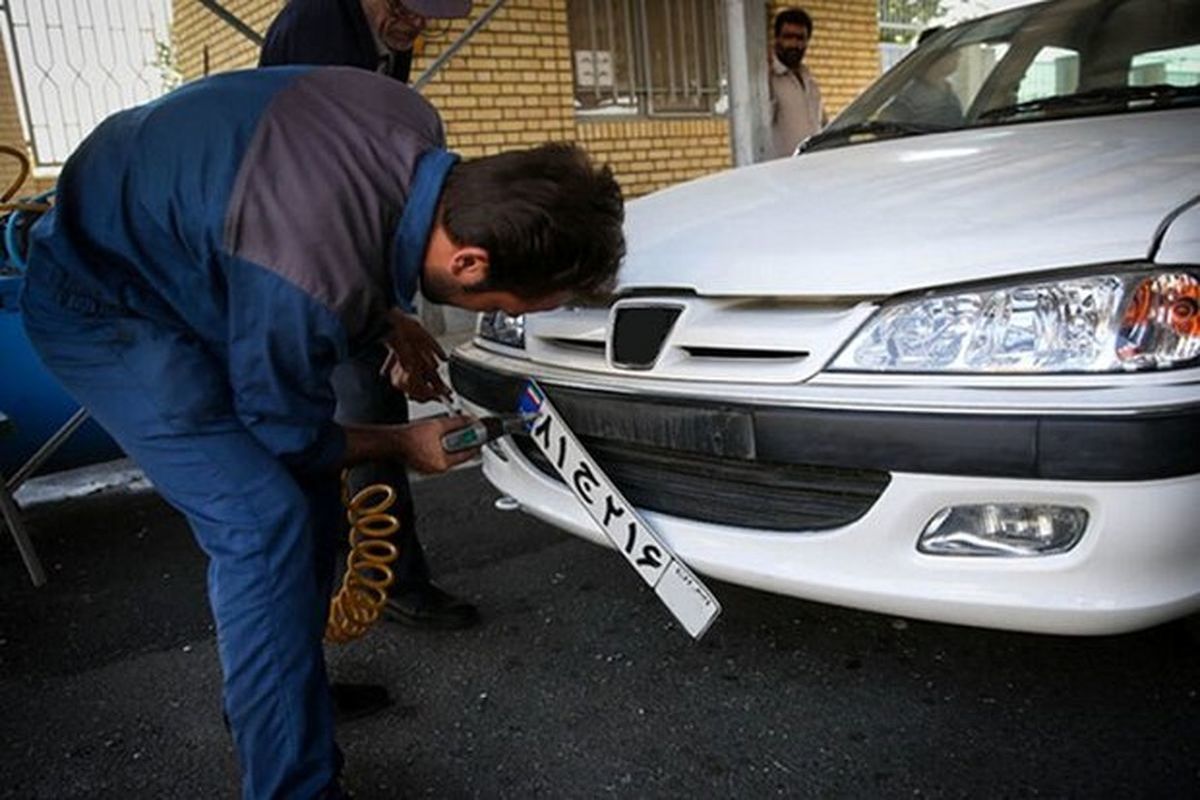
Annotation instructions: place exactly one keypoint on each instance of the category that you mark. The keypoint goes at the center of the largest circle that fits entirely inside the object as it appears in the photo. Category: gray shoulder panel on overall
(323, 183)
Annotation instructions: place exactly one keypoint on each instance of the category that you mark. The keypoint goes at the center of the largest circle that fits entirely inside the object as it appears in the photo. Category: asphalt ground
(577, 684)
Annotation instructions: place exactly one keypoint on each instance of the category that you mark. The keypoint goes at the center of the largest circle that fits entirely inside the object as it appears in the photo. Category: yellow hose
(361, 598)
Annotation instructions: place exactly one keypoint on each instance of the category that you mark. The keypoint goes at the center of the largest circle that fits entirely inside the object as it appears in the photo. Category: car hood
(902, 214)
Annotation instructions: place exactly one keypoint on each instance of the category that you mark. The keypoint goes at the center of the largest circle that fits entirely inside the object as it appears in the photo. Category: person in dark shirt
(378, 35)
(369, 34)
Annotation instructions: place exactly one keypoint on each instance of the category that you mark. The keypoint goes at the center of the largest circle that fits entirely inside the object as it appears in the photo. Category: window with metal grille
(77, 61)
(652, 57)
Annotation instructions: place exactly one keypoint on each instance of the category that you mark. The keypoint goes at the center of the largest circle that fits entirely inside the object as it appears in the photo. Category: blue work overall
(268, 532)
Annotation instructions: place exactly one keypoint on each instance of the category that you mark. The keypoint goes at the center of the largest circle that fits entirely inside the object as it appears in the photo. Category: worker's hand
(413, 359)
(418, 386)
(419, 444)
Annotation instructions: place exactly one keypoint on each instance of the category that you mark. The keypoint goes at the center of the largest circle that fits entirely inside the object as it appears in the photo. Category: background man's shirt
(796, 108)
(330, 32)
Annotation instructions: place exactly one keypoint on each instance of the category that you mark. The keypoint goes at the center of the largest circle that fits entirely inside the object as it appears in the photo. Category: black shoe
(353, 701)
(430, 607)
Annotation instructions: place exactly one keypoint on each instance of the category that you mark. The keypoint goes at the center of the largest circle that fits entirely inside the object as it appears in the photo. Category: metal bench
(9, 510)
(12, 519)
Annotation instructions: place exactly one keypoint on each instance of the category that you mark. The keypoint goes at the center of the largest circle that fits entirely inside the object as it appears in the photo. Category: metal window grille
(653, 57)
(77, 61)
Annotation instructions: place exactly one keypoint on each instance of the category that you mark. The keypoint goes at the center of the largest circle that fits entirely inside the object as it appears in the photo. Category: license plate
(687, 598)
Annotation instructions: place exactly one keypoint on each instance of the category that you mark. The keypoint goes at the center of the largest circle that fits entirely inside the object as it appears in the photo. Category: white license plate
(675, 584)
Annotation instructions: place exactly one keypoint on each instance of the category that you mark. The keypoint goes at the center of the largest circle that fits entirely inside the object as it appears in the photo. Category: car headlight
(496, 326)
(1097, 323)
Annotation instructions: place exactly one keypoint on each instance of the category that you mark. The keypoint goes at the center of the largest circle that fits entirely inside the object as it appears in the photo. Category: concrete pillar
(746, 23)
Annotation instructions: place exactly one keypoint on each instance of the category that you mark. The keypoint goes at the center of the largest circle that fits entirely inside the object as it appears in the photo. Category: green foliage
(901, 20)
(167, 63)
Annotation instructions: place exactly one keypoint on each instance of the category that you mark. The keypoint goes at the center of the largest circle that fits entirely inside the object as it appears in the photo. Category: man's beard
(790, 57)
(437, 288)
(398, 35)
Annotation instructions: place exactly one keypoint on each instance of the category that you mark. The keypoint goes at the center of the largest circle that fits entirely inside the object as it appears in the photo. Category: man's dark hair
(548, 218)
(792, 16)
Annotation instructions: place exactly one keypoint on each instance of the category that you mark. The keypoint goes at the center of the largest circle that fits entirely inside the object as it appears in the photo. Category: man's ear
(469, 266)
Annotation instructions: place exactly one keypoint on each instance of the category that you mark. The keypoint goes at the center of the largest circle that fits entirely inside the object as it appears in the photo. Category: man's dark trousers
(268, 531)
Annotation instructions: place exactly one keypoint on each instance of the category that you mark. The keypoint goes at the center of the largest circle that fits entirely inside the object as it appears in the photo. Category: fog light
(1006, 530)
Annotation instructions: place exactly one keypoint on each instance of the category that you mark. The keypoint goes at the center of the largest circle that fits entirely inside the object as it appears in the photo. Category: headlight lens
(1099, 323)
(496, 326)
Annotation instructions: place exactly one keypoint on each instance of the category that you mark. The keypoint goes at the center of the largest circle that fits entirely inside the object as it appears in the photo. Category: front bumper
(1138, 563)
(1125, 447)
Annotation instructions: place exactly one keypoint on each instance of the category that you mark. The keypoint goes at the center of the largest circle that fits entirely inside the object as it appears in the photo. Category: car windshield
(1049, 61)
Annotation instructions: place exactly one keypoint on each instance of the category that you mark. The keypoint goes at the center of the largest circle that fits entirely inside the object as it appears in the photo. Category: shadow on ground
(577, 684)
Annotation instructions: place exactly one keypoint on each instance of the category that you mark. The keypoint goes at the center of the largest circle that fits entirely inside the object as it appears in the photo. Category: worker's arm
(416, 444)
(282, 346)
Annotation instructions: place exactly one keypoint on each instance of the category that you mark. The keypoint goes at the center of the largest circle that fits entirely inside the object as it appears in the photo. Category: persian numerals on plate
(676, 585)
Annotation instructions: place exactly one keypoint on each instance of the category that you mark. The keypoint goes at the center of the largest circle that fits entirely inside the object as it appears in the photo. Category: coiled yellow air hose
(361, 598)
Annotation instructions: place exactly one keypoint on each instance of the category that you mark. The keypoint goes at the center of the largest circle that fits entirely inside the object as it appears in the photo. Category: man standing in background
(796, 110)
(378, 35)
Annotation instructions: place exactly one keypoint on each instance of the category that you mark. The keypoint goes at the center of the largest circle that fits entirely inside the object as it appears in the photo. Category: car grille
(746, 494)
(698, 461)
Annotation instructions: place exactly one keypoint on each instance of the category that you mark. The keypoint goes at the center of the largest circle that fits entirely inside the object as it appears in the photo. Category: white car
(943, 364)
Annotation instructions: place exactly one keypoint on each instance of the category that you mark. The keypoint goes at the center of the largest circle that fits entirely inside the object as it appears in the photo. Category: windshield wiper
(1157, 95)
(878, 128)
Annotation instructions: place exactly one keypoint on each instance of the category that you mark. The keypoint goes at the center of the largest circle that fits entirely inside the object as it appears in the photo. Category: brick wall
(205, 44)
(511, 86)
(651, 153)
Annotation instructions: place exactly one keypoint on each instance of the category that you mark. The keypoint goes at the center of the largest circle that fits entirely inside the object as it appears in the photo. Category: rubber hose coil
(360, 600)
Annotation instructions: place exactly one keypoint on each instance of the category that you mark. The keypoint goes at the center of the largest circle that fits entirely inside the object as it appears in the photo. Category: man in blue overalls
(211, 257)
